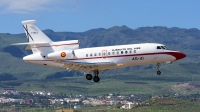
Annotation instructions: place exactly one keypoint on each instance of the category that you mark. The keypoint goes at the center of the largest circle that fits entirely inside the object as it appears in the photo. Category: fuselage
(122, 55)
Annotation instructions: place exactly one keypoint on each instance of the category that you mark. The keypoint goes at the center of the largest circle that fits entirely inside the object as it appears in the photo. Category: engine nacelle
(61, 55)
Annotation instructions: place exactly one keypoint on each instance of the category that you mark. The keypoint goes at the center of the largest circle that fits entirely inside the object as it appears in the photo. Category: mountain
(185, 40)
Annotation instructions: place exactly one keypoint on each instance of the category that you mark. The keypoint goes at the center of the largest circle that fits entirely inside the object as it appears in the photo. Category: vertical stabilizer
(33, 33)
(38, 42)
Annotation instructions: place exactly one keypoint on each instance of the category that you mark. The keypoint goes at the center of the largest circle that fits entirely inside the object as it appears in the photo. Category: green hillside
(185, 40)
(169, 105)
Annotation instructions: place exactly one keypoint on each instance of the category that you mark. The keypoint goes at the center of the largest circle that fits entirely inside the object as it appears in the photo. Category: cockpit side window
(166, 47)
(162, 47)
(158, 47)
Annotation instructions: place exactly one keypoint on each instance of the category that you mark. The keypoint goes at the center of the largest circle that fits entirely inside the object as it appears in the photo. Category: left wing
(106, 63)
(83, 65)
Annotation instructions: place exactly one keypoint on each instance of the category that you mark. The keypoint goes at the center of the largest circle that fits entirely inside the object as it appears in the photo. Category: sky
(83, 15)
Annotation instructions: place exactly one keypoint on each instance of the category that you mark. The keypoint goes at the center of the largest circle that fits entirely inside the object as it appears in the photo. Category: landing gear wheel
(96, 79)
(158, 72)
(158, 66)
(89, 77)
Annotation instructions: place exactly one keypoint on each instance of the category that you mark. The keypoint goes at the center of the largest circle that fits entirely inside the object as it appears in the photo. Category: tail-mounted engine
(61, 55)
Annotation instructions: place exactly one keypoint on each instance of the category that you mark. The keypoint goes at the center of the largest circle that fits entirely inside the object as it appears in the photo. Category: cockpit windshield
(162, 47)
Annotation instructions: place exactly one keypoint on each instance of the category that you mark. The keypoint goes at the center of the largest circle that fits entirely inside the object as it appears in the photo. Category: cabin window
(130, 51)
(99, 54)
(95, 54)
(117, 52)
(134, 51)
(113, 53)
(86, 55)
(91, 54)
(122, 52)
(126, 52)
(108, 53)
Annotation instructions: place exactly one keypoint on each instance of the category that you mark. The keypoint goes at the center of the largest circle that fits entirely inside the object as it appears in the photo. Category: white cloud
(27, 6)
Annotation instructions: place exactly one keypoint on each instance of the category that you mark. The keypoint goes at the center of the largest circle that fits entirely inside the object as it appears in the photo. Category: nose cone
(179, 55)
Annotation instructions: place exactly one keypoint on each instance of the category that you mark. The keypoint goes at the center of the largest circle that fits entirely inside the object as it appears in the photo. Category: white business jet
(68, 55)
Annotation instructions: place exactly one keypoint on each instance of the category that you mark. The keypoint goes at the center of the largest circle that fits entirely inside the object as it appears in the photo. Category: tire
(158, 72)
(96, 79)
(89, 77)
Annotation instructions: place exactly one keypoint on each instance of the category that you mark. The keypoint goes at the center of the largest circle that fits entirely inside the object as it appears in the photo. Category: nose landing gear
(158, 71)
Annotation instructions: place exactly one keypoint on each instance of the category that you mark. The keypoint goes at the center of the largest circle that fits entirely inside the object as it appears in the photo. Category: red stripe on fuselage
(126, 55)
(142, 54)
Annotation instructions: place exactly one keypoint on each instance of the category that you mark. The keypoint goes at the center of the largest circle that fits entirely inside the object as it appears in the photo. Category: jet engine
(61, 55)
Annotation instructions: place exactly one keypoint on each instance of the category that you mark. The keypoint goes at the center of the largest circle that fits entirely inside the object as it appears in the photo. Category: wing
(91, 64)
(84, 65)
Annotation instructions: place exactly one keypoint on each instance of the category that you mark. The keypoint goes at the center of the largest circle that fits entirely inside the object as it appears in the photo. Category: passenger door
(104, 54)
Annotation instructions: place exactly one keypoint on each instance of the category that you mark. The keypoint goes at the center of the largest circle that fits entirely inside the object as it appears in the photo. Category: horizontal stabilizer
(31, 43)
(28, 22)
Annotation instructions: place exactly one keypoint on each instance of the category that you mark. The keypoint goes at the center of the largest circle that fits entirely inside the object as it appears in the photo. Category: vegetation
(185, 70)
(185, 40)
(169, 105)
(151, 105)
(180, 77)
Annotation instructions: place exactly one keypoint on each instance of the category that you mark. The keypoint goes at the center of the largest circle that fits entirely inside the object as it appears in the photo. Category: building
(129, 105)
(65, 110)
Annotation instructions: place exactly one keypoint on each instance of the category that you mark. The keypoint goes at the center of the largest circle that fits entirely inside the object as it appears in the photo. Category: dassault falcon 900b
(68, 55)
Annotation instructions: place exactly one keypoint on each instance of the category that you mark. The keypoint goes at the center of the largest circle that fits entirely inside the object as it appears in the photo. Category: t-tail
(38, 42)
(33, 33)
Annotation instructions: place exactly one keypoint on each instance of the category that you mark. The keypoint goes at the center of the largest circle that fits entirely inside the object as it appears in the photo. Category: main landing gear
(95, 78)
(158, 66)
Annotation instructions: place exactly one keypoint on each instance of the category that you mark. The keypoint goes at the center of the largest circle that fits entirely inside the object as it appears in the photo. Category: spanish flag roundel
(63, 54)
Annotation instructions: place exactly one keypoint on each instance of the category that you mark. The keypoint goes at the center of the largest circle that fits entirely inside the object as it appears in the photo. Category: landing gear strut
(158, 66)
(96, 77)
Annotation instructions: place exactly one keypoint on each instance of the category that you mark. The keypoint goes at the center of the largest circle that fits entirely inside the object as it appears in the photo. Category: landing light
(120, 64)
